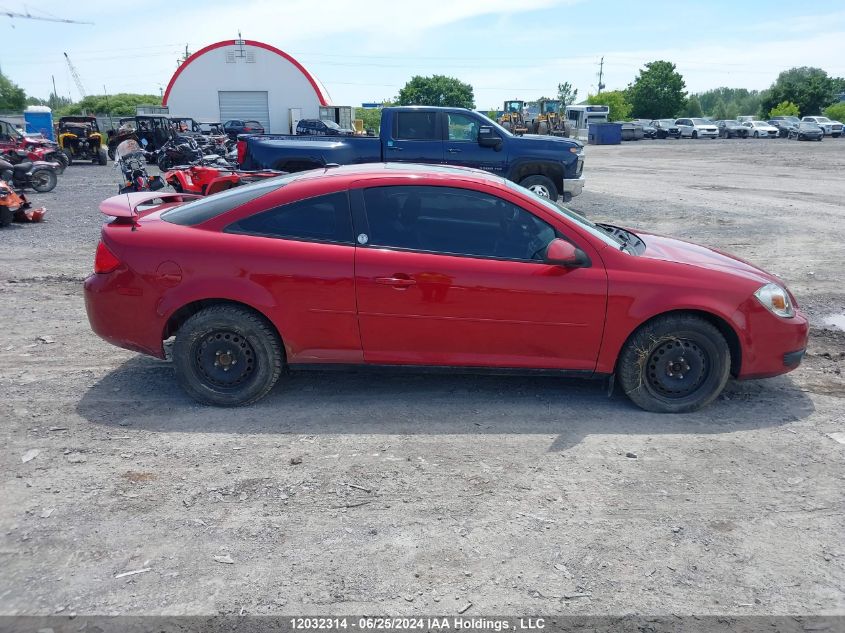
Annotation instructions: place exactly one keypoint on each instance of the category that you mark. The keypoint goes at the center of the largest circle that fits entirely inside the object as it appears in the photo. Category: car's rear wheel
(102, 156)
(69, 156)
(227, 356)
(674, 364)
(44, 180)
(694, 134)
(540, 185)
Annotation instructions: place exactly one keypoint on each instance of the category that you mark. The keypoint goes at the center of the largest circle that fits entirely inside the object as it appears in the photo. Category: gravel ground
(419, 494)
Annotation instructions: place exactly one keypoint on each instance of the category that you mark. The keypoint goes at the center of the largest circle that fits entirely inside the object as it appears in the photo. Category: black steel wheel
(674, 364)
(227, 355)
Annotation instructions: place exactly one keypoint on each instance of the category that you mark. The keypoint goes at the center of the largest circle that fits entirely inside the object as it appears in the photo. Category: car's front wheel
(540, 185)
(227, 355)
(674, 364)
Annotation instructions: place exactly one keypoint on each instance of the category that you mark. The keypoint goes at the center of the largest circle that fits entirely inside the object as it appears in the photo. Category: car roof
(405, 171)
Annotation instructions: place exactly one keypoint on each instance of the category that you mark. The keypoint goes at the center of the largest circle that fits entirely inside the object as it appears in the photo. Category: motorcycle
(131, 160)
(40, 176)
(44, 149)
(15, 207)
(178, 150)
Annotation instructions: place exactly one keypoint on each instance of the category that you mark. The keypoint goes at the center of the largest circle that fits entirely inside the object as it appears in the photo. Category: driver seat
(22, 168)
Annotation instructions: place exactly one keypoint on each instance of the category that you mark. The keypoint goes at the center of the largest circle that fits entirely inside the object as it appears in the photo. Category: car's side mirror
(562, 253)
(487, 137)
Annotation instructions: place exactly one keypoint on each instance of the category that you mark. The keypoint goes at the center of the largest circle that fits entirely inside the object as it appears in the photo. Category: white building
(245, 79)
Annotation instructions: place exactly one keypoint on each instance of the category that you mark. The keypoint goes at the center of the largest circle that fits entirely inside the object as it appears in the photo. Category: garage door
(245, 105)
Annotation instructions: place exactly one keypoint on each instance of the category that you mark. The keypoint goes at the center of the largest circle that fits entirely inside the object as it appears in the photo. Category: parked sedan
(237, 126)
(761, 129)
(697, 128)
(649, 131)
(732, 129)
(829, 127)
(666, 128)
(411, 265)
(782, 126)
(806, 131)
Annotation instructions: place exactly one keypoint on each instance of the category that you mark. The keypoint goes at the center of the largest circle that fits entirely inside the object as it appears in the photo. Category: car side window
(320, 219)
(416, 126)
(454, 221)
(462, 127)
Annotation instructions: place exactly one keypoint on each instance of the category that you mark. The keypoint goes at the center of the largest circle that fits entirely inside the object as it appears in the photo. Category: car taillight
(241, 152)
(247, 129)
(105, 261)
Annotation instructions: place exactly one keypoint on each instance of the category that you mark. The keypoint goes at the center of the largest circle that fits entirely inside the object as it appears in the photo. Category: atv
(80, 139)
(151, 131)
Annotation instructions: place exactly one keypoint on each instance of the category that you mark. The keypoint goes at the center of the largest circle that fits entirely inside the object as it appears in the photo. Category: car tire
(237, 335)
(694, 134)
(756, 134)
(674, 364)
(111, 153)
(44, 180)
(6, 216)
(69, 155)
(102, 156)
(542, 186)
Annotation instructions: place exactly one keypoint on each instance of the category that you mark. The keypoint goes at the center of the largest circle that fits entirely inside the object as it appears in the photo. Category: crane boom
(29, 16)
(76, 78)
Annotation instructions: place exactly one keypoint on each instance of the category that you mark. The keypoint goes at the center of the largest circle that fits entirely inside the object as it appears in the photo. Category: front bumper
(573, 187)
(770, 345)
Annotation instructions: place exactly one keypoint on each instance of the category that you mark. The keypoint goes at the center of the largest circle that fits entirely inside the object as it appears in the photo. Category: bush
(836, 111)
(785, 108)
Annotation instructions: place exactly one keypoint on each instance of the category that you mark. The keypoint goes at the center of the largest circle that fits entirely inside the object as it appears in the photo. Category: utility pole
(601, 74)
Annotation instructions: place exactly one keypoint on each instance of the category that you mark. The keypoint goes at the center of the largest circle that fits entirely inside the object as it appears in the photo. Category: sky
(365, 51)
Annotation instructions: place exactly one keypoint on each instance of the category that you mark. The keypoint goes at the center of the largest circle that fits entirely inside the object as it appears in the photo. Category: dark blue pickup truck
(548, 165)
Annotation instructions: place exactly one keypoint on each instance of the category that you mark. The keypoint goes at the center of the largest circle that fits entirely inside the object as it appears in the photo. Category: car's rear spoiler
(126, 205)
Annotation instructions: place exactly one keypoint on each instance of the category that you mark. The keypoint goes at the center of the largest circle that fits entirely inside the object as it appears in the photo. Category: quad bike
(37, 148)
(41, 176)
(14, 207)
(131, 160)
(207, 179)
(80, 139)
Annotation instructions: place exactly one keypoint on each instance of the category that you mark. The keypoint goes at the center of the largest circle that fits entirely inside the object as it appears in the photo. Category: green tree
(12, 98)
(120, 104)
(811, 89)
(371, 118)
(692, 108)
(616, 100)
(836, 111)
(437, 90)
(658, 92)
(566, 93)
(785, 108)
(729, 103)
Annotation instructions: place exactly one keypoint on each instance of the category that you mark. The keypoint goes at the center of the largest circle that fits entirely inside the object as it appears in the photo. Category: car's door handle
(396, 149)
(396, 282)
(452, 150)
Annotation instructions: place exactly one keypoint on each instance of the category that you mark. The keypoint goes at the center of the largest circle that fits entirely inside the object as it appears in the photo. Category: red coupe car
(413, 265)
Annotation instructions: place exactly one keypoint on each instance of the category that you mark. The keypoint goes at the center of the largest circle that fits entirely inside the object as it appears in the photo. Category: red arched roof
(318, 87)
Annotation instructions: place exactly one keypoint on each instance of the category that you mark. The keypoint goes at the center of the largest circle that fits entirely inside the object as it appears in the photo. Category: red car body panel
(341, 303)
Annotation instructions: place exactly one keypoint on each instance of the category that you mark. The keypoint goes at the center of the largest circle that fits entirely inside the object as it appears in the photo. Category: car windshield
(667, 122)
(332, 125)
(577, 218)
(807, 125)
(700, 122)
(822, 119)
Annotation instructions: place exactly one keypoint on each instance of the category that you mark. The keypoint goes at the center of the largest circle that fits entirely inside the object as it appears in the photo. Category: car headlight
(776, 300)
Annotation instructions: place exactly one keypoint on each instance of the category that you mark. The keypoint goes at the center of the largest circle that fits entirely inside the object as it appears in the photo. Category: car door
(461, 145)
(684, 126)
(453, 276)
(302, 253)
(415, 137)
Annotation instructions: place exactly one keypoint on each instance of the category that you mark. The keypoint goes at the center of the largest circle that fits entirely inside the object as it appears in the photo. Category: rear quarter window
(199, 211)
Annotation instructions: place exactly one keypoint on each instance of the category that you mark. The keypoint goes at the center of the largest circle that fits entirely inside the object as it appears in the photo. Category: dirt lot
(421, 494)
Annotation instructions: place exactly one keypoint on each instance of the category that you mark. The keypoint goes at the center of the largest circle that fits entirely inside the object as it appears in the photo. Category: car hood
(558, 143)
(671, 249)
